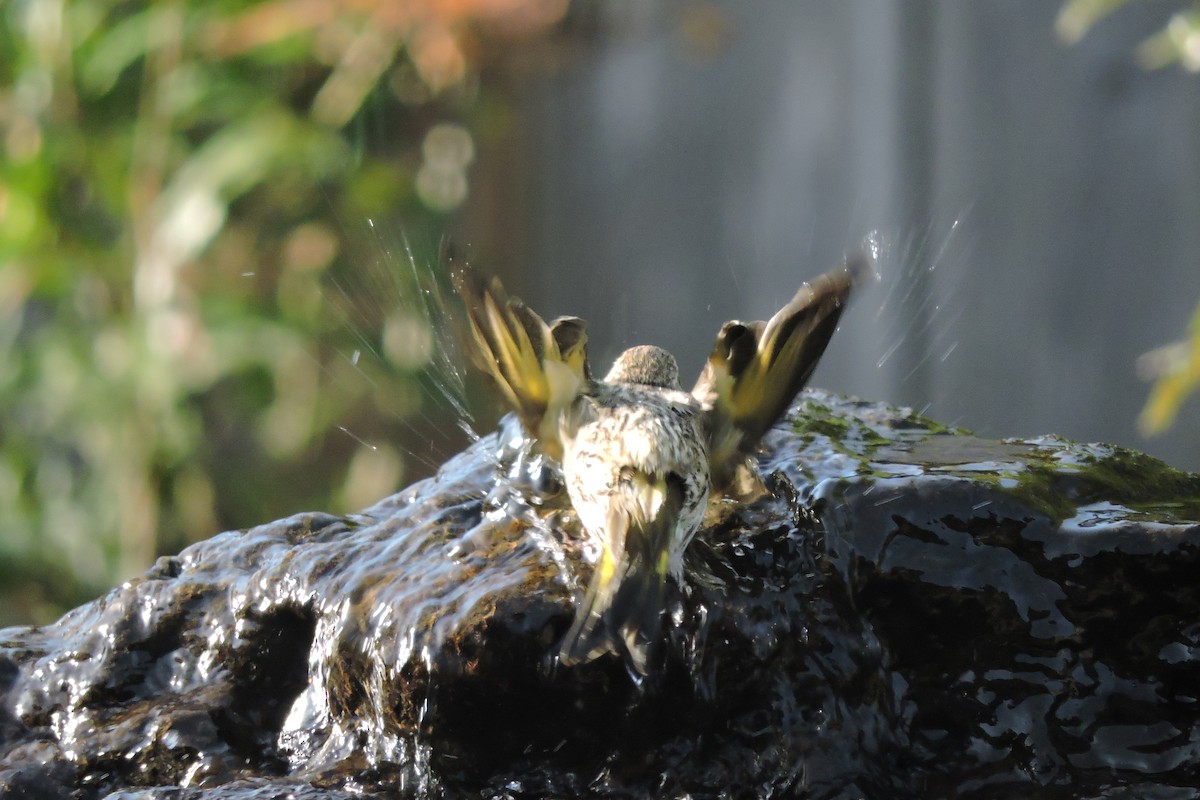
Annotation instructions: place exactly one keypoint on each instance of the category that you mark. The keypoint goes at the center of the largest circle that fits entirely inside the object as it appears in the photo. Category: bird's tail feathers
(622, 609)
(625, 620)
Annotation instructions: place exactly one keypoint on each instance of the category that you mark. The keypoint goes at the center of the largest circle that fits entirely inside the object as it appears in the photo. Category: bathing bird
(641, 457)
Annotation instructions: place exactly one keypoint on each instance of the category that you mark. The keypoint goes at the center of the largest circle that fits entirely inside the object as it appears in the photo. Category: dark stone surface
(914, 613)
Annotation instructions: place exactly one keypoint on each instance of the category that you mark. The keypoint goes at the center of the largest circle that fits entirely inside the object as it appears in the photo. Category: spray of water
(919, 313)
(392, 315)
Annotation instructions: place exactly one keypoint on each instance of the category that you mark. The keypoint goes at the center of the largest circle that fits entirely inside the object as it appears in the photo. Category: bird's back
(628, 428)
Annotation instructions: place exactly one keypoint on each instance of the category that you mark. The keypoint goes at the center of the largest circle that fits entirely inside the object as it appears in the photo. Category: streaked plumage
(641, 458)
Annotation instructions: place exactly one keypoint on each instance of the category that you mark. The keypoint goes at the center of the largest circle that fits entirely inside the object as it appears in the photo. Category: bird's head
(646, 365)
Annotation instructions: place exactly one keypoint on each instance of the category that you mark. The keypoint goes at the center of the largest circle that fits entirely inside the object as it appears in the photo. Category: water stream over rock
(914, 612)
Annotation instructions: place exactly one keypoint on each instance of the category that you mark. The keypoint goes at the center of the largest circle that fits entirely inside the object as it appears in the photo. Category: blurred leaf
(1179, 376)
(115, 50)
(1076, 17)
(240, 156)
(1179, 43)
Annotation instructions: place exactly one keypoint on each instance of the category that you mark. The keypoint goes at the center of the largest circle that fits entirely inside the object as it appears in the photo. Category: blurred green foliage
(1175, 368)
(1178, 42)
(178, 181)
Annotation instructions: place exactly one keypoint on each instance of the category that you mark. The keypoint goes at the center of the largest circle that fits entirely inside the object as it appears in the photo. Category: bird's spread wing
(539, 369)
(756, 369)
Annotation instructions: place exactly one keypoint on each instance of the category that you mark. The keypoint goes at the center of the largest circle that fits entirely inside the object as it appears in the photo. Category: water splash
(397, 310)
(921, 308)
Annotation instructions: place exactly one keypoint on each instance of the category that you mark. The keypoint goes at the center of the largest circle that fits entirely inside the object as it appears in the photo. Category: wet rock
(915, 612)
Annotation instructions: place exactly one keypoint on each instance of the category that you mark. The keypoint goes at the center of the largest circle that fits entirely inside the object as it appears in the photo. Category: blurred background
(220, 224)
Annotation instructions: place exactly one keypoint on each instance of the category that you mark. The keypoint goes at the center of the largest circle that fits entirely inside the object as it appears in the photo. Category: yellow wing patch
(539, 369)
(756, 369)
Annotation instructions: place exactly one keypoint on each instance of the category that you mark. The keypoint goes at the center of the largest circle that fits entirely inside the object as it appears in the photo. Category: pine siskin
(641, 457)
